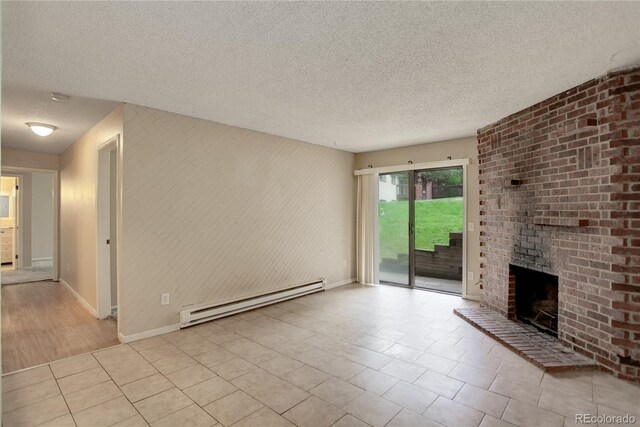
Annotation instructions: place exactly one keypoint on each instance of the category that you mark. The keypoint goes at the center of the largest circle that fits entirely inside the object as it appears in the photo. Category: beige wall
(213, 213)
(41, 216)
(78, 169)
(29, 159)
(437, 151)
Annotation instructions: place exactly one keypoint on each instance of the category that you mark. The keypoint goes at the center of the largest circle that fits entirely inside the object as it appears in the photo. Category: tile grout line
(245, 334)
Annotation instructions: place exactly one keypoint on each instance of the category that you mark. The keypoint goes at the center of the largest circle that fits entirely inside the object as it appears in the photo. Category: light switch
(470, 226)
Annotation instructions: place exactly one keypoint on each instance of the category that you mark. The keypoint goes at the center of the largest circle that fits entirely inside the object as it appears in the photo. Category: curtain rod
(414, 166)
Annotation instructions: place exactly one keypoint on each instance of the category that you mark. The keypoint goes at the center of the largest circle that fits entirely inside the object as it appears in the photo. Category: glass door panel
(393, 228)
(438, 223)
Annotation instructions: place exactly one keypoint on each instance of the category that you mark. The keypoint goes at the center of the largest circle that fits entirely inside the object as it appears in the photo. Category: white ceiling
(357, 75)
(72, 118)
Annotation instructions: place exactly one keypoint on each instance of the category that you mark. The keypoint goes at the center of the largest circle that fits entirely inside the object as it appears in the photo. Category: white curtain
(367, 228)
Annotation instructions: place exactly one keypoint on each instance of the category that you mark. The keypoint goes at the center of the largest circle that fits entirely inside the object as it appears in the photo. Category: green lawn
(434, 220)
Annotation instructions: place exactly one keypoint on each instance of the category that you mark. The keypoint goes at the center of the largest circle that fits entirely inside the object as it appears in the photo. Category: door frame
(412, 228)
(411, 168)
(18, 209)
(103, 251)
(19, 172)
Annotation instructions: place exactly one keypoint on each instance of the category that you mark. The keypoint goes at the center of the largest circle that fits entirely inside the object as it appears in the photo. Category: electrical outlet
(470, 226)
(164, 299)
(469, 275)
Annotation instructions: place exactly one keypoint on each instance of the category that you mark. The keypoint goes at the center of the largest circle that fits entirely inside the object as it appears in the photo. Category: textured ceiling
(359, 76)
(72, 118)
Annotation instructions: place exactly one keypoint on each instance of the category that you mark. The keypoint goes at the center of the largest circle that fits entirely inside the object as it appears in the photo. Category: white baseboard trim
(42, 259)
(176, 326)
(340, 283)
(473, 297)
(148, 334)
(77, 296)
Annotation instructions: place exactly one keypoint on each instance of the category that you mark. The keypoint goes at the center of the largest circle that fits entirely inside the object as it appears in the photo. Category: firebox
(536, 298)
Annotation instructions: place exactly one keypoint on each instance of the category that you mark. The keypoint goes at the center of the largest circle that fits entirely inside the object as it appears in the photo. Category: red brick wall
(572, 211)
(444, 262)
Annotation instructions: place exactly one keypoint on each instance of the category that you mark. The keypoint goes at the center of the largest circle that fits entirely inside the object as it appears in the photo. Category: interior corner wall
(78, 172)
(213, 213)
(465, 148)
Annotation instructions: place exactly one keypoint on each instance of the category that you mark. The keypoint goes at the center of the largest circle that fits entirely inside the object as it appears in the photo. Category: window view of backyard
(435, 219)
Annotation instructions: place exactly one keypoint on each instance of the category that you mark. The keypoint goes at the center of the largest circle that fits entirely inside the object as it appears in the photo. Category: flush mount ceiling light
(41, 129)
(60, 97)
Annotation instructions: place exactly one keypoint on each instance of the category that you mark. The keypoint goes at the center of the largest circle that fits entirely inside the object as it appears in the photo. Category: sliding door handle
(411, 228)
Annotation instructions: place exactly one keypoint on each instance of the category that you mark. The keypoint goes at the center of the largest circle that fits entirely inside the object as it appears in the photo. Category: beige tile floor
(352, 356)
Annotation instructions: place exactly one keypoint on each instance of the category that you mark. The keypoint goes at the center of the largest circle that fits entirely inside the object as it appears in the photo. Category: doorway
(46, 320)
(9, 222)
(28, 226)
(107, 252)
(421, 229)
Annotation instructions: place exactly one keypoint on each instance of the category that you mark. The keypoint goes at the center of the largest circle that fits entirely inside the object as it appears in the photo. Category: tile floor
(352, 356)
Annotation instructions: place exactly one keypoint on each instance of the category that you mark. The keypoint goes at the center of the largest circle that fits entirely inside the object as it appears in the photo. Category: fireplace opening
(536, 298)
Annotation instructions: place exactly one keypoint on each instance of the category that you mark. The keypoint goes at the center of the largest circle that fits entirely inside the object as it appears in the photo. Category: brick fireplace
(560, 196)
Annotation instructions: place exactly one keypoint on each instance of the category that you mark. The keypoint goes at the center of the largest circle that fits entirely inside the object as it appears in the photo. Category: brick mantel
(560, 193)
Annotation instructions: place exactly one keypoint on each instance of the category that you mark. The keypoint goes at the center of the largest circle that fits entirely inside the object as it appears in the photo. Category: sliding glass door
(420, 223)
(438, 216)
(393, 223)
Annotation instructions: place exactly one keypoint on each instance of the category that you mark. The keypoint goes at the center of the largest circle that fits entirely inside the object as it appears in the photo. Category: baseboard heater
(190, 316)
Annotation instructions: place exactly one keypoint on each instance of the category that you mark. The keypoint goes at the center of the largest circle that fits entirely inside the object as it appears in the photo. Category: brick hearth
(541, 349)
(560, 194)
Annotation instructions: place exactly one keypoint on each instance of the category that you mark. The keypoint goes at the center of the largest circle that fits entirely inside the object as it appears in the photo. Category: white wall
(41, 216)
(213, 213)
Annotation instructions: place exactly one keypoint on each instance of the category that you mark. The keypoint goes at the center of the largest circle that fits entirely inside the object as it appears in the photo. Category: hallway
(42, 322)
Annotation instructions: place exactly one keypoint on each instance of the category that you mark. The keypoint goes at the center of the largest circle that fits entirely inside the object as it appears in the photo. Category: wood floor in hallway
(42, 322)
